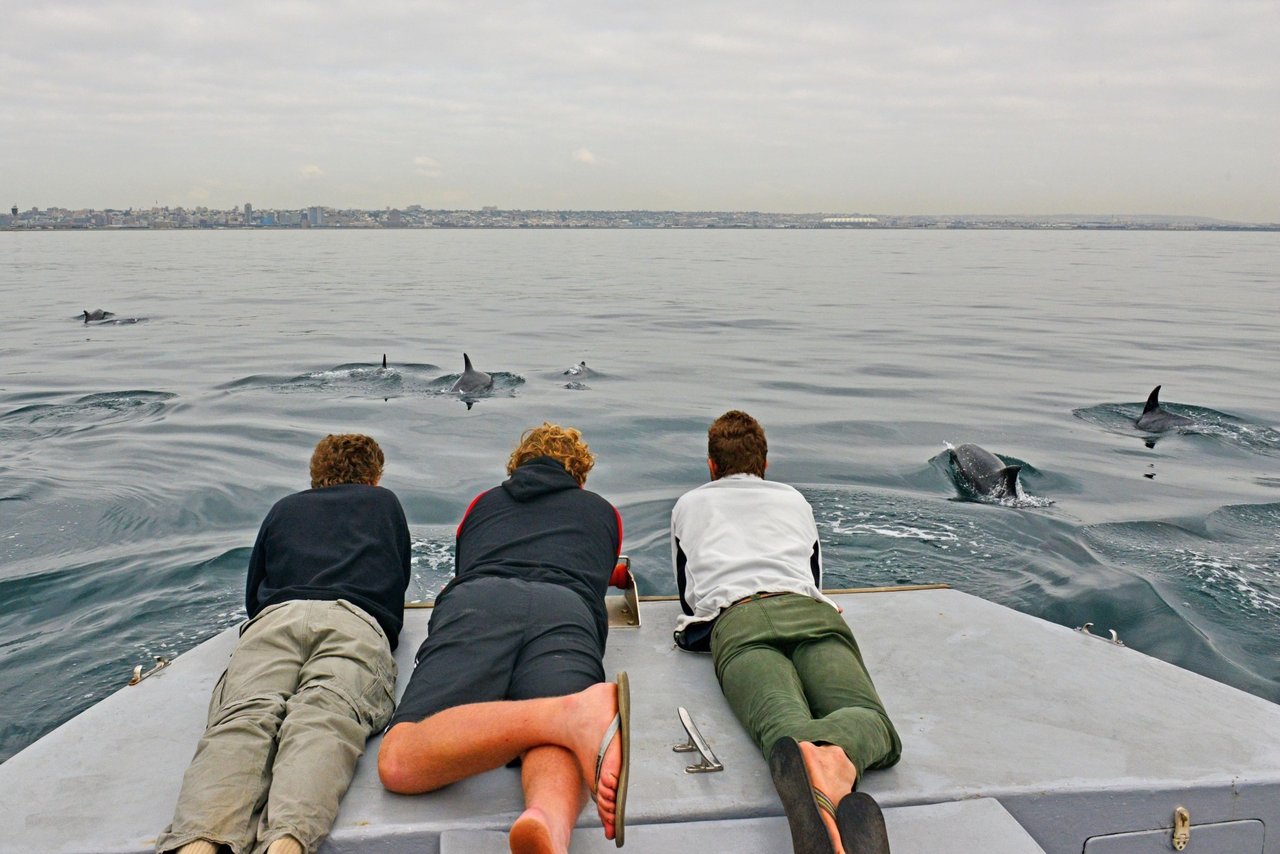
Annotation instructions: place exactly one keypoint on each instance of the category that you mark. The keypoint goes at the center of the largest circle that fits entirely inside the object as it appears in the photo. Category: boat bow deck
(1078, 739)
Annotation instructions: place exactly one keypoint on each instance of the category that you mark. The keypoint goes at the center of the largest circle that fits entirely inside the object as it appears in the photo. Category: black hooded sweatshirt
(348, 541)
(540, 525)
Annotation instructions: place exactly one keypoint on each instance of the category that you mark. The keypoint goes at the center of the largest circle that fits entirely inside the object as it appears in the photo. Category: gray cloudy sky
(917, 106)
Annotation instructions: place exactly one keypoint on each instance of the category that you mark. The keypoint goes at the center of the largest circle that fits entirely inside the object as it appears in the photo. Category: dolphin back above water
(471, 379)
(1156, 419)
(97, 314)
(984, 472)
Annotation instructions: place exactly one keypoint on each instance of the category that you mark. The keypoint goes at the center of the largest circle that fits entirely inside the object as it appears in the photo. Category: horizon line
(683, 211)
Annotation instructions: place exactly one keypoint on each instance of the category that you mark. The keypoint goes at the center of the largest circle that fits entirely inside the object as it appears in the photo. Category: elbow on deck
(396, 769)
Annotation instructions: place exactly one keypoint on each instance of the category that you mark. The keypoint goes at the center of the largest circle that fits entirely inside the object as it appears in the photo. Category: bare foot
(591, 712)
(831, 773)
(531, 835)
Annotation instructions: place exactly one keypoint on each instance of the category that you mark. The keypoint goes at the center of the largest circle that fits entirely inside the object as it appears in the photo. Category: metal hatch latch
(698, 743)
(1181, 828)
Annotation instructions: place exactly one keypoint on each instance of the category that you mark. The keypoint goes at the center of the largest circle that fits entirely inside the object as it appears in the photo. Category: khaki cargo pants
(307, 684)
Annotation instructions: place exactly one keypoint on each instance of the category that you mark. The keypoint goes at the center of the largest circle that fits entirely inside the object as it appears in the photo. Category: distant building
(849, 220)
(14, 211)
(248, 213)
(315, 217)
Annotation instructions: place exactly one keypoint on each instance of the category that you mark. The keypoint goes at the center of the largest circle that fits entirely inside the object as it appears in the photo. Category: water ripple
(85, 413)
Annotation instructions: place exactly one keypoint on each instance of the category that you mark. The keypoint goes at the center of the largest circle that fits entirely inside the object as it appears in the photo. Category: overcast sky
(912, 106)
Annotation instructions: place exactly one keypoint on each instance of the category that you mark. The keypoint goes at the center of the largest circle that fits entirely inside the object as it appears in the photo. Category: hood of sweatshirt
(538, 477)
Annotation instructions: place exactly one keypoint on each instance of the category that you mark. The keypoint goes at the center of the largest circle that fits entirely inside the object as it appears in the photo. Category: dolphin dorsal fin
(1153, 401)
(1010, 476)
(466, 363)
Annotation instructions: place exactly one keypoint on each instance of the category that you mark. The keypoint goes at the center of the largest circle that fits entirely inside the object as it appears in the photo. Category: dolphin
(97, 314)
(984, 472)
(578, 370)
(471, 379)
(1154, 419)
(384, 361)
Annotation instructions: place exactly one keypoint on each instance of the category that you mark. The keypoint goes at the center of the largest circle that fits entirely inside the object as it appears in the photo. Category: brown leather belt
(757, 596)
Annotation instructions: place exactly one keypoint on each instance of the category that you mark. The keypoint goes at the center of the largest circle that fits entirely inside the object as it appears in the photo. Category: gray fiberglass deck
(1089, 746)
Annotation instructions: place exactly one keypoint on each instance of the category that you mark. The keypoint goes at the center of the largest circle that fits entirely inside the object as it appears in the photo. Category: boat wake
(1220, 572)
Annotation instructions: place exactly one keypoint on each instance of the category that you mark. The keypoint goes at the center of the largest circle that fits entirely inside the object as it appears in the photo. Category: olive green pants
(789, 666)
(307, 684)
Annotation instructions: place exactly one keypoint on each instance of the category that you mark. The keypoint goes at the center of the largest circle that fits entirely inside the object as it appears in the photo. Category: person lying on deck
(748, 570)
(512, 667)
(312, 675)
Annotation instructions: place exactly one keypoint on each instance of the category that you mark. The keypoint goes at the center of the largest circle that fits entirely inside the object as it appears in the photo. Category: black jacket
(539, 525)
(349, 542)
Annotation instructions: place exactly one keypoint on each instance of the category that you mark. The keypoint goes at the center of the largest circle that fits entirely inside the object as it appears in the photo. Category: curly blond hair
(562, 444)
(346, 458)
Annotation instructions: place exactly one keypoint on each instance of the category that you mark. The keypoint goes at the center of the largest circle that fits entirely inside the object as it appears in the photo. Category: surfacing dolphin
(578, 370)
(1156, 419)
(984, 472)
(97, 314)
(471, 380)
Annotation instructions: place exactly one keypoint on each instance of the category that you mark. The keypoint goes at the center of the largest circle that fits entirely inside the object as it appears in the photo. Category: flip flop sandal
(861, 824)
(802, 803)
(620, 725)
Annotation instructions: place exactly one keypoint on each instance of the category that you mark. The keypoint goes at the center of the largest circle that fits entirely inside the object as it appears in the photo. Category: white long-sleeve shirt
(741, 535)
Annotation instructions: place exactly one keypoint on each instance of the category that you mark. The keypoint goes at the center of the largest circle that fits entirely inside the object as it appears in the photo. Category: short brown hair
(562, 444)
(736, 444)
(346, 458)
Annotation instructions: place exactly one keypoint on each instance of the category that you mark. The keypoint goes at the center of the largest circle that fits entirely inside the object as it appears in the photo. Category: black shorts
(502, 639)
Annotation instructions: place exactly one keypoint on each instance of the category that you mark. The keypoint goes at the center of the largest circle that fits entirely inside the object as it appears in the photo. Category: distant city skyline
(253, 214)
(416, 216)
(977, 107)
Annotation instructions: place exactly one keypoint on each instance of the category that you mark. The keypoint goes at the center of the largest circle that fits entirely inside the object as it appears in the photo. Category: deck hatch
(1227, 837)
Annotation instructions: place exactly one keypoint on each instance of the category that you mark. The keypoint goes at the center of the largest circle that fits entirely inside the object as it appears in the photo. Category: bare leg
(831, 773)
(468, 740)
(286, 845)
(200, 846)
(554, 795)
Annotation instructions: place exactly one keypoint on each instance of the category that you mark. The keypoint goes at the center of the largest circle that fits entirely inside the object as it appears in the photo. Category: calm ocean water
(138, 458)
